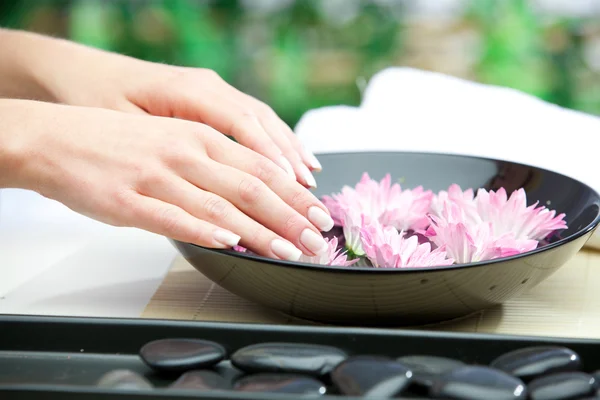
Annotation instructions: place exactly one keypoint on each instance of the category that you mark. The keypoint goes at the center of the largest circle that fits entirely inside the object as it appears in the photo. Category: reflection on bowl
(409, 296)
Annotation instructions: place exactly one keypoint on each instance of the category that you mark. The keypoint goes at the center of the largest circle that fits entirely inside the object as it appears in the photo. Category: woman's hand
(77, 75)
(173, 177)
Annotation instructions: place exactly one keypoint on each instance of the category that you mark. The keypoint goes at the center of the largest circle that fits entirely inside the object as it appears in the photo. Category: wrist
(23, 124)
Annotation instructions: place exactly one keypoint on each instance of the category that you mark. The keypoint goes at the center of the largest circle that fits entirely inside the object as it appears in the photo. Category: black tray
(62, 357)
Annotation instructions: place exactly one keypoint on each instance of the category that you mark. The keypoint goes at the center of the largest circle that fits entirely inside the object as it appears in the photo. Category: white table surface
(56, 262)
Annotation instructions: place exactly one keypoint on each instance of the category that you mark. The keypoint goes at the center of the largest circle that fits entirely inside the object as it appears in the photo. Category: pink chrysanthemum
(385, 226)
(467, 242)
(506, 214)
(383, 202)
(512, 215)
(353, 222)
(455, 195)
(386, 247)
(333, 256)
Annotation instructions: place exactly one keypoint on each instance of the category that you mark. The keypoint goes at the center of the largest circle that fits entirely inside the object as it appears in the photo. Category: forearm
(44, 68)
(20, 54)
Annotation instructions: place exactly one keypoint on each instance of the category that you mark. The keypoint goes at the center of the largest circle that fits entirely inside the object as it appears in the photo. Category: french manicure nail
(285, 250)
(320, 219)
(314, 163)
(312, 160)
(287, 166)
(313, 241)
(226, 238)
(308, 176)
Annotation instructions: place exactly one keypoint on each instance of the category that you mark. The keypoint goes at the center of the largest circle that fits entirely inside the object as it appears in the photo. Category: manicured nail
(320, 219)
(285, 250)
(226, 238)
(313, 241)
(307, 176)
(312, 160)
(287, 166)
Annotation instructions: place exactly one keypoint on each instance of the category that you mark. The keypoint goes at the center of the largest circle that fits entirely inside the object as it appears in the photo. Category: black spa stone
(201, 380)
(426, 368)
(371, 377)
(478, 382)
(281, 383)
(315, 360)
(530, 362)
(179, 355)
(562, 386)
(123, 379)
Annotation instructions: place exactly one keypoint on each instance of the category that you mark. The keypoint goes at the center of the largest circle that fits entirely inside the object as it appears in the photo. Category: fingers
(254, 198)
(280, 131)
(166, 219)
(220, 111)
(210, 207)
(247, 130)
(290, 192)
(128, 107)
(209, 99)
(276, 132)
(307, 156)
(302, 161)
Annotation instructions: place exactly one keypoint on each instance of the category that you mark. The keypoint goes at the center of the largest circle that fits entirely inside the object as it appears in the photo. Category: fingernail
(308, 176)
(313, 241)
(287, 166)
(226, 238)
(320, 219)
(285, 250)
(312, 160)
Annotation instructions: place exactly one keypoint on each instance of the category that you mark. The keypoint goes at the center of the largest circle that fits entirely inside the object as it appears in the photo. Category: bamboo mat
(567, 304)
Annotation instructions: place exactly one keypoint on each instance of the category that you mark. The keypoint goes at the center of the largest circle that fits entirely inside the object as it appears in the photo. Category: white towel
(406, 109)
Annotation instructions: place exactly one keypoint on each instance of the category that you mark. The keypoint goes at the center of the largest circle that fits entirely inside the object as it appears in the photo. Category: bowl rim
(386, 270)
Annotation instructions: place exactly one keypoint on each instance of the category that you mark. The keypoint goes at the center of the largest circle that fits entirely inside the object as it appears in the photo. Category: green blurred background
(300, 54)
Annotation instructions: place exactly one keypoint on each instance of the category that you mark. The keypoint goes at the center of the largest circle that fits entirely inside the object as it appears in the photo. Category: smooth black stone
(426, 368)
(562, 386)
(371, 376)
(530, 362)
(476, 382)
(179, 355)
(281, 383)
(201, 380)
(315, 360)
(123, 379)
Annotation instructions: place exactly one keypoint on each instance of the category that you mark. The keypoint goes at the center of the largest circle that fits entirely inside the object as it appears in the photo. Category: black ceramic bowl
(400, 297)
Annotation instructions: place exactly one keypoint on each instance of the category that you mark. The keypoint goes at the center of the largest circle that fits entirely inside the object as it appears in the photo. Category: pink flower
(453, 226)
(383, 202)
(386, 247)
(353, 222)
(407, 209)
(333, 256)
(368, 197)
(465, 200)
(239, 248)
(468, 242)
(513, 215)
